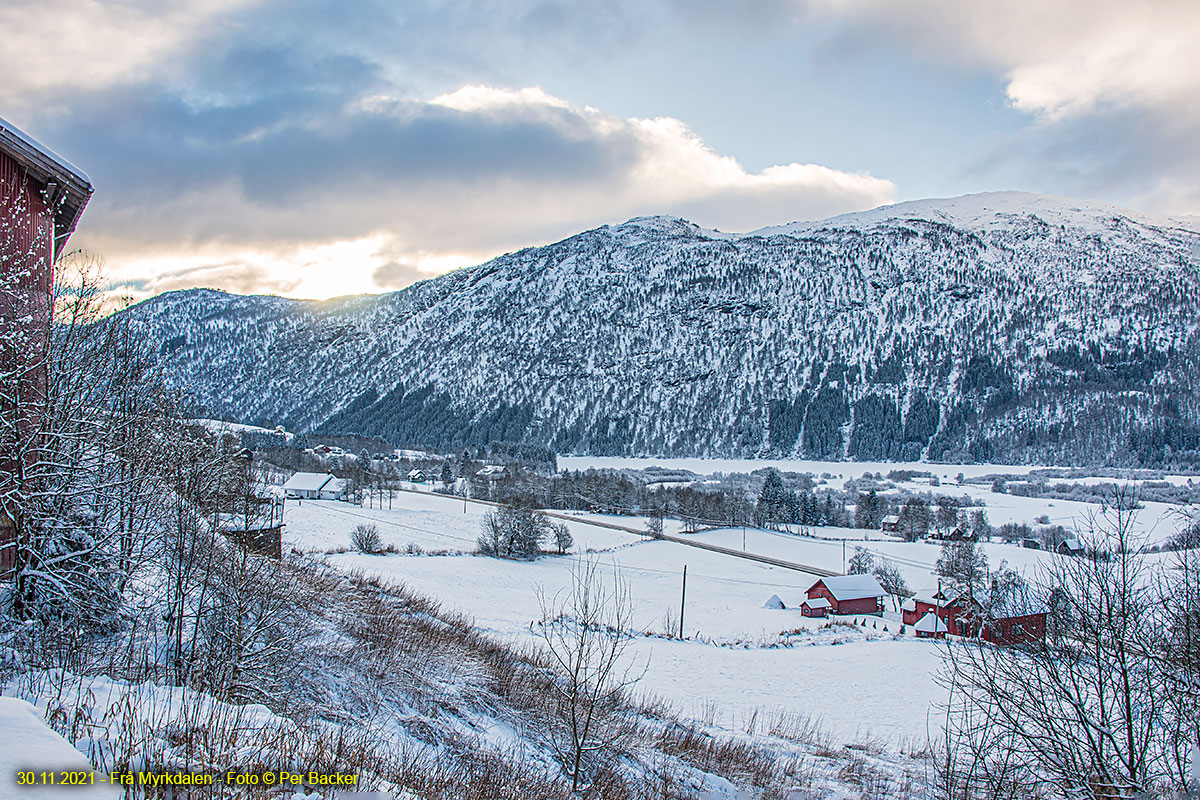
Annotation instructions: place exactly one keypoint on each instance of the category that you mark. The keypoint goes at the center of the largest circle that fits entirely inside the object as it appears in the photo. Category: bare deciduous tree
(586, 631)
(1080, 714)
(891, 579)
(78, 426)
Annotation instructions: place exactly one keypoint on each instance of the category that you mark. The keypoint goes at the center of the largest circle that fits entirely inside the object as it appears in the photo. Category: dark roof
(46, 167)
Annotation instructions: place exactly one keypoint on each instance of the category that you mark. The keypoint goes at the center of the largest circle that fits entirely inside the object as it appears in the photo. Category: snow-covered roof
(909, 605)
(935, 597)
(817, 602)
(1018, 603)
(1072, 544)
(773, 602)
(852, 587)
(307, 481)
(335, 485)
(238, 523)
(931, 623)
(891, 519)
(45, 166)
(491, 470)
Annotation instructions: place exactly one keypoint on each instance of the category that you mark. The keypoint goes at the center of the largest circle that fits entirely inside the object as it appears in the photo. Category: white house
(308, 485)
(416, 476)
(493, 472)
(334, 489)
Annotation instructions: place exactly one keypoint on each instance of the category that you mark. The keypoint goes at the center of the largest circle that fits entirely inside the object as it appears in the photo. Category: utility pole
(843, 556)
(682, 600)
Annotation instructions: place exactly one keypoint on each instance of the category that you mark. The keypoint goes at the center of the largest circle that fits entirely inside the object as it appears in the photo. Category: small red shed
(815, 607)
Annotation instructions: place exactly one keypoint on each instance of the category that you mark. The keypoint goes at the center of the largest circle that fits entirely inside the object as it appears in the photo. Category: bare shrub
(366, 539)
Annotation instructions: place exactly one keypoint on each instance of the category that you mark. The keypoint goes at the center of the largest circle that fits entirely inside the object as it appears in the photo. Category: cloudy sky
(314, 148)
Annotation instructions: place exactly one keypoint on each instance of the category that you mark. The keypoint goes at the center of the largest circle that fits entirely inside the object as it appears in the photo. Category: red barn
(41, 199)
(945, 605)
(1011, 617)
(849, 594)
(1011, 627)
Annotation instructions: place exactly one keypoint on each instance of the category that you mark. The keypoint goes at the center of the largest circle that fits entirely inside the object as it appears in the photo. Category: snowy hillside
(1005, 327)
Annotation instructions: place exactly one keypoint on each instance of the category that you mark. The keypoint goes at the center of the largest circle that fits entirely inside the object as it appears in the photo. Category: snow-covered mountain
(1003, 327)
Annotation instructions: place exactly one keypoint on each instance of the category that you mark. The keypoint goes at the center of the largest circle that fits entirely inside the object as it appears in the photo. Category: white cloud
(489, 98)
(87, 44)
(1061, 58)
(360, 227)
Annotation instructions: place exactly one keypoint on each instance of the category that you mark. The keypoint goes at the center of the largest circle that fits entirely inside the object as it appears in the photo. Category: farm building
(849, 594)
(947, 606)
(42, 197)
(1070, 547)
(1012, 619)
(261, 534)
(815, 607)
(1014, 628)
(306, 485)
(930, 626)
(890, 524)
(493, 472)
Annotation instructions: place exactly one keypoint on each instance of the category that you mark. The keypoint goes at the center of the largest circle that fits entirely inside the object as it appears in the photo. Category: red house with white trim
(849, 594)
(41, 199)
(945, 605)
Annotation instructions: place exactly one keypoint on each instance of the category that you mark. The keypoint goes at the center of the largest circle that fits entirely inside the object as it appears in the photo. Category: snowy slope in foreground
(27, 743)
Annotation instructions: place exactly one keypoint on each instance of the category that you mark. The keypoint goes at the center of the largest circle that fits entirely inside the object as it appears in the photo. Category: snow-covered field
(1157, 522)
(430, 521)
(738, 659)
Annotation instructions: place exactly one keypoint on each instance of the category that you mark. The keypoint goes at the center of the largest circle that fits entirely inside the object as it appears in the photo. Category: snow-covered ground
(430, 521)
(1157, 522)
(28, 744)
(739, 658)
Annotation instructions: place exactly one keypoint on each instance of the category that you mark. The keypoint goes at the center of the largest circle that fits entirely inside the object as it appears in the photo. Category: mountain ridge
(990, 327)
